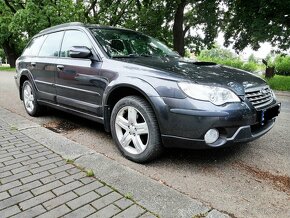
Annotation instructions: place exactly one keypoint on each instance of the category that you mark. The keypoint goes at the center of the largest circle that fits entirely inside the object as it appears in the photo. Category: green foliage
(249, 22)
(2, 55)
(226, 57)
(282, 65)
(3, 68)
(279, 82)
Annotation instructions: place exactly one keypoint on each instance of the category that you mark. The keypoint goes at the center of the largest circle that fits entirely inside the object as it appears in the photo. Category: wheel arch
(24, 75)
(122, 90)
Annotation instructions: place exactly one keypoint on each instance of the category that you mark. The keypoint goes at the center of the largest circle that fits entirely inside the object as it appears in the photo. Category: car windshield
(119, 43)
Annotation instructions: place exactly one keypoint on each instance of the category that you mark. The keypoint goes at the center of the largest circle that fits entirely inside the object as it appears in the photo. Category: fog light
(211, 136)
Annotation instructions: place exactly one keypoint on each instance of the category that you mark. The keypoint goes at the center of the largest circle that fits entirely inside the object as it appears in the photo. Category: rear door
(77, 79)
(44, 66)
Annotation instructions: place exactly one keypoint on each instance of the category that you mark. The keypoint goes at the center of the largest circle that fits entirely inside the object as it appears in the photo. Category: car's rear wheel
(135, 130)
(29, 99)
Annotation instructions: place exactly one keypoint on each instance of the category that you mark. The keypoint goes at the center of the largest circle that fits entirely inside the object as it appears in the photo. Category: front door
(77, 84)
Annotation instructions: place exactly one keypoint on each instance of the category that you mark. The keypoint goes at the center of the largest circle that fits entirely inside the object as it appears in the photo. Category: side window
(51, 45)
(73, 38)
(33, 48)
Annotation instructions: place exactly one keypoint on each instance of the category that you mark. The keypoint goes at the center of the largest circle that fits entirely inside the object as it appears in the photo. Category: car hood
(201, 72)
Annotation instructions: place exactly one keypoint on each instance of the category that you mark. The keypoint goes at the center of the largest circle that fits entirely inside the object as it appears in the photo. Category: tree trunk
(178, 35)
(10, 53)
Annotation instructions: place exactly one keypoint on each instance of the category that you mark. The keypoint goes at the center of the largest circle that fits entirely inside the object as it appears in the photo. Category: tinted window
(33, 48)
(73, 38)
(51, 44)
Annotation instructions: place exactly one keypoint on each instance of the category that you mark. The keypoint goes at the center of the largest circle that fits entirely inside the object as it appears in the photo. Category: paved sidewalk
(38, 182)
(43, 174)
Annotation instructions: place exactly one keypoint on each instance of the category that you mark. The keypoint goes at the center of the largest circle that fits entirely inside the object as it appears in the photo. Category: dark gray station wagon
(145, 94)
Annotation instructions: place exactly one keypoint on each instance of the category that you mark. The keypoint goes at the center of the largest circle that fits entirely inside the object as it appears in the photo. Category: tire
(135, 130)
(29, 99)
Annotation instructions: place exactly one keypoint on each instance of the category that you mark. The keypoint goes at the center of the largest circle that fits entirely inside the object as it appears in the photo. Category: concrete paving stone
(123, 203)
(15, 177)
(3, 152)
(5, 159)
(48, 161)
(43, 168)
(4, 195)
(36, 200)
(88, 187)
(147, 215)
(60, 163)
(6, 154)
(47, 187)
(10, 167)
(34, 160)
(32, 147)
(81, 212)
(104, 190)
(24, 168)
(8, 148)
(4, 187)
(62, 199)
(44, 153)
(73, 177)
(5, 174)
(18, 149)
(43, 149)
(53, 155)
(18, 160)
(132, 212)
(87, 180)
(56, 212)
(1, 165)
(34, 177)
(15, 200)
(106, 212)
(32, 212)
(216, 214)
(23, 188)
(24, 154)
(82, 200)
(73, 170)
(67, 187)
(9, 211)
(54, 177)
(62, 168)
(106, 200)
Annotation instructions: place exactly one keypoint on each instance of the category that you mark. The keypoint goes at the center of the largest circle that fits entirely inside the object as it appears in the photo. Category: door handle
(33, 64)
(60, 67)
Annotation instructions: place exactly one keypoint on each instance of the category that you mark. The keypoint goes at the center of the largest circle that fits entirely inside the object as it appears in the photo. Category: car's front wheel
(29, 99)
(135, 130)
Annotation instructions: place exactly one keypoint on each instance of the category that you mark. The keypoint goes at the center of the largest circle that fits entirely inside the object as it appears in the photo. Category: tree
(20, 20)
(249, 22)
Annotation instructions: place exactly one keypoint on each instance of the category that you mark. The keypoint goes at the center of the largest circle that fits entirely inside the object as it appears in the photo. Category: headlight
(214, 94)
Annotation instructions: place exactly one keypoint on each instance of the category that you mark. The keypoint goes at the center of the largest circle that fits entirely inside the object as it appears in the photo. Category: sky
(261, 53)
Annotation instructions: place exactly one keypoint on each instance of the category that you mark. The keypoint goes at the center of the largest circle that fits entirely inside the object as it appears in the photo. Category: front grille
(259, 97)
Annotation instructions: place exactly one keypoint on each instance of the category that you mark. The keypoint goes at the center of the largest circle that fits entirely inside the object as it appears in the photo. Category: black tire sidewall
(143, 107)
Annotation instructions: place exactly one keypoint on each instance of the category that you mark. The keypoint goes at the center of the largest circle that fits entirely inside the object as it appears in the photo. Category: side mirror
(80, 52)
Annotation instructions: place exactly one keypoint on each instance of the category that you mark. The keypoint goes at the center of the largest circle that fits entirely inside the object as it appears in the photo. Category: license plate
(268, 114)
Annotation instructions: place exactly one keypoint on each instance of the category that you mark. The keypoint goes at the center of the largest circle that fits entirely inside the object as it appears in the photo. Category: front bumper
(185, 127)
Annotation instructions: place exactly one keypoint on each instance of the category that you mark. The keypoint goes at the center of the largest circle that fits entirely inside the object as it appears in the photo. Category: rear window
(51, 45)
(33, 48)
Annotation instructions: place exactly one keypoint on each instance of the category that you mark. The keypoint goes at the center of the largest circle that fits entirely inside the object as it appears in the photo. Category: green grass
(281, 83)
(5, 68)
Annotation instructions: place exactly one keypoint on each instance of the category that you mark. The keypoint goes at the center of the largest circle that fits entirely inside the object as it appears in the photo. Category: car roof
(77, 24)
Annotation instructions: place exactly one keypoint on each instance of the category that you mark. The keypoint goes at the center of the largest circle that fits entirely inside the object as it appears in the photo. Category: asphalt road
(249, 180)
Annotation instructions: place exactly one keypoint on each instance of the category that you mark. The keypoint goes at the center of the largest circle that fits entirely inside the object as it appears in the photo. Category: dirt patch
(61, 126)
(281, 182)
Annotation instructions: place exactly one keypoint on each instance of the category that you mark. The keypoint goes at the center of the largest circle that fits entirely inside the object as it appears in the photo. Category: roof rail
(62, 25)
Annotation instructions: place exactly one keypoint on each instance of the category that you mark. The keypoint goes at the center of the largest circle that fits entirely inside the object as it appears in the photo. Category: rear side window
(51, 45)
(33, 48)
(74, 38)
